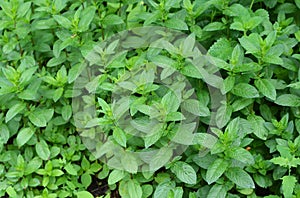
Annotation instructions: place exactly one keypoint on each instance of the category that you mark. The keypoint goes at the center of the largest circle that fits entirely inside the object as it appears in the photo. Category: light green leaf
(84, 194)
(75, 71)
(160, 158)
(129, 163)
(223, 115)
(87, 15)
(297, 2)
(163, 189)
(184, 172)
(11, 192)
(24, 135)
(134, 189)
(257, 126)
(216, 170)
(177, 24)
(221, 49)
(42, 150)
(241, 103)
(217, 191)
(33, 165)
(251, 43)
(214, 26)
(288, 185)
(66, 112)
(37, 119)
(288, 100)
(4, 133)
(195, 107)
(112, 20)
(14, 110)
(266, 88)
(242, 155)
(63, 21)
(115, 176)
(245, 90)
(70, 169)
(120, 136)
(204, 139)
(239, 177)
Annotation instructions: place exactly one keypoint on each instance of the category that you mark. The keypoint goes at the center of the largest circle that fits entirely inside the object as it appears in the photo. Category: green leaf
(84, 194)
(266, 88)
(63, 21)
(42, 150)
(4, 133)
(223, 115)
(33, 165)
(119, 136)
(75, 71)
(87, 15)
(297, 2)
(288, 185)
(70, 169)
(214, 26)
(134, 189)
(24, 136)
(242, 155)
(171, 102)
(228, 84)
(177, 24)
(251, 43)
(112, 20)
(66, 112)
(37, 119)
(188, 45)
(130, 188)
(23, 9)
(239, 177)
(163, 189)
(129, 163)
(221, 49)
(57, 94)
(217, 191)
(257, 126)
(184, 172)
(204, 139)
(14, 110)
(11, 192)
(245, 90)
(57, 173)
(56, 61)
(281, 161)
(195, 107)
(216, 170)
(288, 100)
(115, 176)
(160, 158)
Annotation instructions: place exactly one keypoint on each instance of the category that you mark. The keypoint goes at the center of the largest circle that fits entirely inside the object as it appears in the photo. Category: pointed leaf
(24, 136)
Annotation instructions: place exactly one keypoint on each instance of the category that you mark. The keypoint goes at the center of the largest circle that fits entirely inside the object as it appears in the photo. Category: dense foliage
(246, 144)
